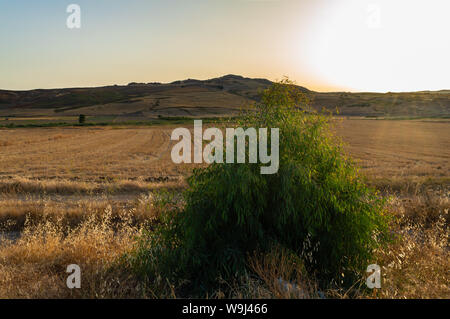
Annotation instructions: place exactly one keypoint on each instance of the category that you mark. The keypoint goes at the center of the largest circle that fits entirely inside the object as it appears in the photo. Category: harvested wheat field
(399, 149)
(87, 154)
(384, 148)
(81, 195)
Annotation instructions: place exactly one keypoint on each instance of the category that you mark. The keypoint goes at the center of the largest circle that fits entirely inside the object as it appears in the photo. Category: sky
(324, 45)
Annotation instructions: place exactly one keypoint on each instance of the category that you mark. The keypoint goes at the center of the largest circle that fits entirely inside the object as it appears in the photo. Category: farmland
(384, 148)
(92, 179)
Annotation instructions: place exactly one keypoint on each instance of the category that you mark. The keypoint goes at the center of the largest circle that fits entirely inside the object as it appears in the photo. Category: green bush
(316, 205)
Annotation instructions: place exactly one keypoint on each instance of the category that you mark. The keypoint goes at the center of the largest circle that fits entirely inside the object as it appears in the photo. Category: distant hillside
(215, 97)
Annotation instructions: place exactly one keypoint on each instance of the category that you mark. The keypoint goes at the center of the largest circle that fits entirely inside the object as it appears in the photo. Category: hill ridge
(219, 96)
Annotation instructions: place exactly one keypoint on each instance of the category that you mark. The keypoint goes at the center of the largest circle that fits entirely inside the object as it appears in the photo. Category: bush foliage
(315, 205)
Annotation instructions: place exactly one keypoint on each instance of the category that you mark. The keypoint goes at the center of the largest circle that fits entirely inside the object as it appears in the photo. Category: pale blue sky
(321, 44)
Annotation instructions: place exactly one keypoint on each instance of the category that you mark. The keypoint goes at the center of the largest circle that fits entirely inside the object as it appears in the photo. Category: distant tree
(82, 119)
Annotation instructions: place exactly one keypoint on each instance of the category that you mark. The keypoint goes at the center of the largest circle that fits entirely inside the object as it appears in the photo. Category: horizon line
(213, 78)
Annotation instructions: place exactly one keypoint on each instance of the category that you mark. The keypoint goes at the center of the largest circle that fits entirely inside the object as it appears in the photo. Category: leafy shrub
(315, 206)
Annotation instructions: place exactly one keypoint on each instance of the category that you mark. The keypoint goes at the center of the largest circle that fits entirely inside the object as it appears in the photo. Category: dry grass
(414, 266)
(35, 265)
(417, 265)
(81, 195)
(72, 211)
(20, 186)
(283, 275)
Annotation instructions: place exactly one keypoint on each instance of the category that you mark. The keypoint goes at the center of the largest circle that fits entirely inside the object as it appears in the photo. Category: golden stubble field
(64, 191)
(384, 148)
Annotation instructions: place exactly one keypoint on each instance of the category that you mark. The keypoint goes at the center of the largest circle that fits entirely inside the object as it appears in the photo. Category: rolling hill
(204, 98)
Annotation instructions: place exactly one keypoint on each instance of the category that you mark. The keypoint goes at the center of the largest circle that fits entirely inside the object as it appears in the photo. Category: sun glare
(382, 45)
